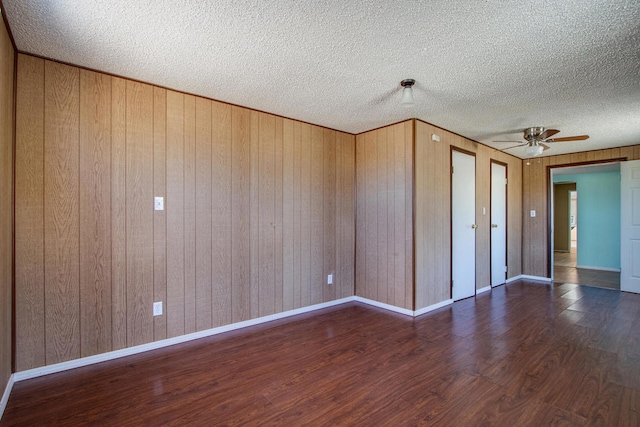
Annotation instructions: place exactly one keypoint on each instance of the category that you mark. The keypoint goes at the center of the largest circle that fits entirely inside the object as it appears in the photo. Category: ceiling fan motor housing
(533, 133)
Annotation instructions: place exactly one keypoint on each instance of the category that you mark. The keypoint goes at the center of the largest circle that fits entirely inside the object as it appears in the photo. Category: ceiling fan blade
(544, 146)
(570, 138)
(548, 134)
(515, 146)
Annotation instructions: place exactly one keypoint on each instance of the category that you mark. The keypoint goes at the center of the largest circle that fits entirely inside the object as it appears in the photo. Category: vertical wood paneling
(175, 215)
(345, 215)
(317, 215)
(382, 208)
(190, 217)
(266, 206)
(289, 219)
(240, 214)
(204, 220)
(95, 213)
(7, 56)
(329, 205)
(483, 218)
(384, 246)
(370, 286)
(433, 215)
(254, 203)
(409, 191)
(297, 214)
(221, 200)
(160, 217)
(258, 211)
(627, 152)
(278, 218)
(305, 215)
(61, 199)
(361, 215)
(118, 214)
(398, 177)
(139, 213)
(29, 208)
(392, 275)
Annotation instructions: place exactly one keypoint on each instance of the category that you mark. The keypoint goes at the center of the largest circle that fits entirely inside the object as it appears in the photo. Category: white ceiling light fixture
(407, 92)
(534, 149)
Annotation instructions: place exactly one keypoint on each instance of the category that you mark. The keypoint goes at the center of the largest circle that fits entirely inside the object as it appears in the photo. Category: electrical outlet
(532, 213)
(330, 279)
(157, 308)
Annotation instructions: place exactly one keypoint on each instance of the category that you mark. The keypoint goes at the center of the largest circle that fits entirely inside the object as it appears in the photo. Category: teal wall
(598, 218)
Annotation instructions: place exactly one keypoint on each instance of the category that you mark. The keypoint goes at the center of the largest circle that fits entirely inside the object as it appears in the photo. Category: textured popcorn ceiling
(484, 69)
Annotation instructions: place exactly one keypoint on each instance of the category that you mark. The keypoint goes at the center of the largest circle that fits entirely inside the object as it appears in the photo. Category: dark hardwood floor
(523, 354)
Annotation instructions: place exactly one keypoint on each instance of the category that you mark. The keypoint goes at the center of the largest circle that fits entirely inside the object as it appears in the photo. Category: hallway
(565, 271)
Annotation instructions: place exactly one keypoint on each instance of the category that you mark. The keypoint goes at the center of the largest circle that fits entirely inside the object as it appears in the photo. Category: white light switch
(159, 203)
(330, 279)
(484, 210)
(532, 213)
(157, 308)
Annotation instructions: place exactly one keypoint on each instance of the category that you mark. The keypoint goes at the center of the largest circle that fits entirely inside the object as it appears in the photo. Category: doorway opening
(585, 229)
(565, 209)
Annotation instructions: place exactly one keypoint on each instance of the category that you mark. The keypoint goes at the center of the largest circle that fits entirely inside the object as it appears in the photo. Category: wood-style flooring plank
(505, 357)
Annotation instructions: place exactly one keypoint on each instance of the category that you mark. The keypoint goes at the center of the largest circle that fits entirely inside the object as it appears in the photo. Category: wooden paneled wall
(535, 248)
(6, 203)
(433, 212)
(384, 229)
(258, 210)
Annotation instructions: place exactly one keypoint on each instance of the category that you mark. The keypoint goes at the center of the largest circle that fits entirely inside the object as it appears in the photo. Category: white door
(630, 226)
(463, 225)
(498, 224)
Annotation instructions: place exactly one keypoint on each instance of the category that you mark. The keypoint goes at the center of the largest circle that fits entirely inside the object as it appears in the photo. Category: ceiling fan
(538, 137)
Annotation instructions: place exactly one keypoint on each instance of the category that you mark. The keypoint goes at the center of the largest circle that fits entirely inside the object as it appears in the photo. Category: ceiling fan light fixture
(407, 92)
(534, 150)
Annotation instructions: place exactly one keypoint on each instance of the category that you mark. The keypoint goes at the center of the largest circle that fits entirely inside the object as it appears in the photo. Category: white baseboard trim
(401, 310)
(432, 307)
(383, 305)
(483, 290)
(587, 267)
(90, 360)
(5, 396)
(528, 277)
